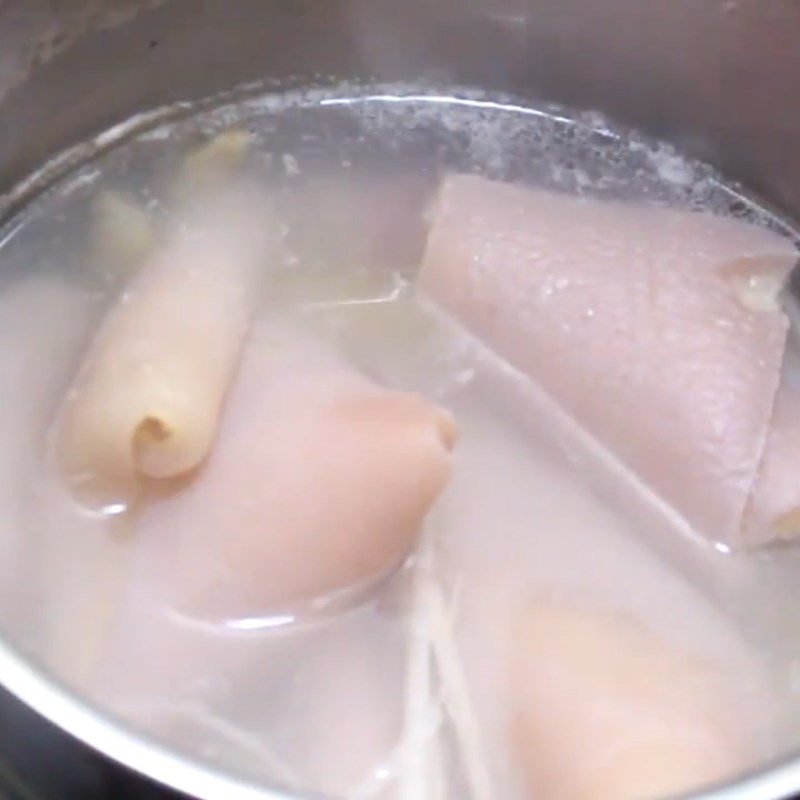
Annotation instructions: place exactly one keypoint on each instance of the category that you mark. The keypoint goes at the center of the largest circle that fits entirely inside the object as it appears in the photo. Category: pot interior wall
(717, 78)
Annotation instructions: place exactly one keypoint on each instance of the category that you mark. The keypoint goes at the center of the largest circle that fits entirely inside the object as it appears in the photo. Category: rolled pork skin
(318, 483)
(609, 712)
(147, 399)
(659, 331)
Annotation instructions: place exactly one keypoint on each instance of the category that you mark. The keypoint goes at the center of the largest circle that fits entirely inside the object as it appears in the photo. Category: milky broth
(352, 171)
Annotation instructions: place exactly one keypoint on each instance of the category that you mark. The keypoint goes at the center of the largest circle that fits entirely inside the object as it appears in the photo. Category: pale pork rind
(147, 399)
(659, 331)
(608, 711)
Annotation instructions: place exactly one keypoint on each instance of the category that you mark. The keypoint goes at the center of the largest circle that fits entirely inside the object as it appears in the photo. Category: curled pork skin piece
(659, 331)
(609, 712)
(318, 482)
(147, 399)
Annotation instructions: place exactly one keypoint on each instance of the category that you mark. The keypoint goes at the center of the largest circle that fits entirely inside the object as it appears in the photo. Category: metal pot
(717, 78)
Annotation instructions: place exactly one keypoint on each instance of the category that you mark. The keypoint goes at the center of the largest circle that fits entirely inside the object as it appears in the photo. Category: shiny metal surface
(717, 78)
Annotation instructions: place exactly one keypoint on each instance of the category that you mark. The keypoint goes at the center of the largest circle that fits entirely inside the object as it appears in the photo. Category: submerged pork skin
(319, 481)
(640, 321)
(609, 712)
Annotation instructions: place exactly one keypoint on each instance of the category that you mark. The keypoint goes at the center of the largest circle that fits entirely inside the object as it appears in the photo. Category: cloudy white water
(405, 686)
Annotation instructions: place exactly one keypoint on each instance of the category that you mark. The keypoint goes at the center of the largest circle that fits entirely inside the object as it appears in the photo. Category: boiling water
(336, 701)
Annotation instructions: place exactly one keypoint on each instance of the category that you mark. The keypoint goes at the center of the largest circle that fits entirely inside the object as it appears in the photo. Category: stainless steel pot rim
(145, 756)
(121, 744)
